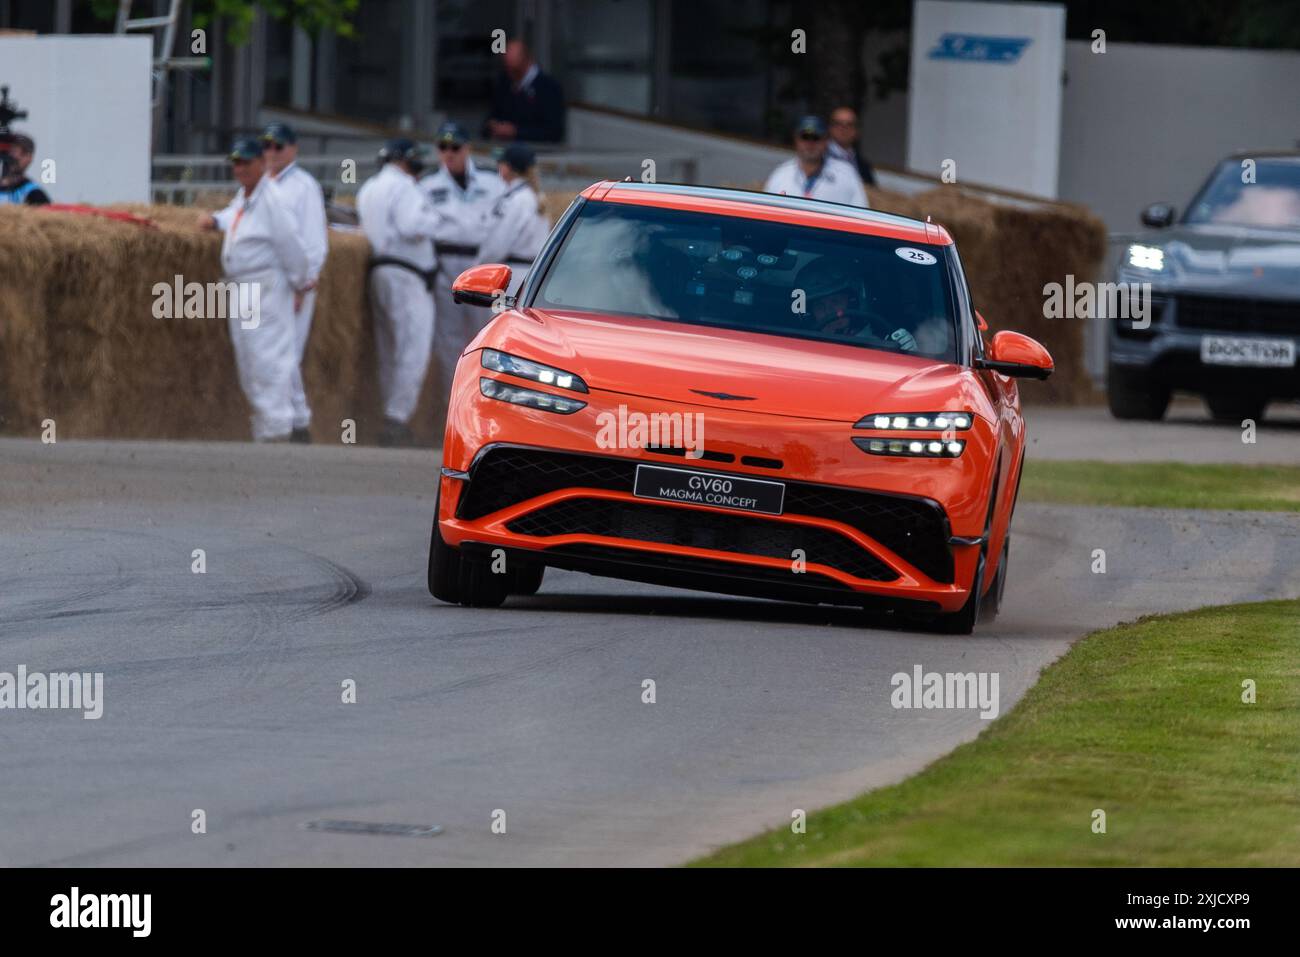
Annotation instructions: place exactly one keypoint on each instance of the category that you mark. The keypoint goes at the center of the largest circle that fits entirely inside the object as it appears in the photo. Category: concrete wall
(1143, 123)
(1147, 123)
(88, 100)
(721, 160)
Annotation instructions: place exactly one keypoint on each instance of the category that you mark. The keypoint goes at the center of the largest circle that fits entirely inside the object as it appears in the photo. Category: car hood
(1224, 260)
(683, 363)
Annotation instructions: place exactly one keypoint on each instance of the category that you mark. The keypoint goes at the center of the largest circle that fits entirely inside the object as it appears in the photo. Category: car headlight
(916, 448)
(505, 363)
(1146, 257)
(518, 395)
(916, 421)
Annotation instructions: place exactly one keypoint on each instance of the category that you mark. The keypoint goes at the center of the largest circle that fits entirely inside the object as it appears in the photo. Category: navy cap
(245, 148)
(452, 134)
(403, 149)
(517, 156)
(810, 126)
(281, 133)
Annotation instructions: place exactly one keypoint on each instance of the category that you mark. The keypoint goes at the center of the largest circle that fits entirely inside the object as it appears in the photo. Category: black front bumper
(1168, 354)
(915, 528)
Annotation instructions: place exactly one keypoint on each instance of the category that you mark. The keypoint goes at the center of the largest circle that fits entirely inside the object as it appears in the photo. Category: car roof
(1293, 155)
(774, 207)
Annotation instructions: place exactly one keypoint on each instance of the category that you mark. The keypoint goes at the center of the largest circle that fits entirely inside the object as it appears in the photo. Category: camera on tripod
(9, 112)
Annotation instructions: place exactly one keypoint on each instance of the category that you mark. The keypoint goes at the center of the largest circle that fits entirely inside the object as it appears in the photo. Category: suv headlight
(915, 448)
(916, 421)
(507, 364)
(533, 398)
(1146, 257)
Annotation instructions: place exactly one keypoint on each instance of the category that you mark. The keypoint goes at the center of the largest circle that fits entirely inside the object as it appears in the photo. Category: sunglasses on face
(810, 137)
(272, 146)
(453, 147)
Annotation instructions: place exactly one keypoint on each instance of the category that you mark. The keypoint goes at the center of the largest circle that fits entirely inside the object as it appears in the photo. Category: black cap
(280, 133)
(403, 149)
(518, 156)
(245, 148)
(810, 126)
(452, 134)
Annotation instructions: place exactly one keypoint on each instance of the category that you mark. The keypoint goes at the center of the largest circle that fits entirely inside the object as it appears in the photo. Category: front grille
(1238, 315)
(1125, 328)
(507, 476)
(739, 534)
(913, 528)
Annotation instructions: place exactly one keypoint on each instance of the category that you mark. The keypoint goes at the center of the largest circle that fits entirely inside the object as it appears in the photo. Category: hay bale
(79, 342)
(25, 256)
(1009, 253)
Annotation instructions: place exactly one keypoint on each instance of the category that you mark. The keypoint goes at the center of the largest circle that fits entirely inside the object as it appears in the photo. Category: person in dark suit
(844, 142)
(527, 104)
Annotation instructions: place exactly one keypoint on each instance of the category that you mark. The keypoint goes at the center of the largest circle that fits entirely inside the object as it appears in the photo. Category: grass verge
(1144, 721)
(1162, 485)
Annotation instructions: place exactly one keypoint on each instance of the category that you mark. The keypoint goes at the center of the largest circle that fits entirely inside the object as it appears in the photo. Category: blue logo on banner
(970, 46)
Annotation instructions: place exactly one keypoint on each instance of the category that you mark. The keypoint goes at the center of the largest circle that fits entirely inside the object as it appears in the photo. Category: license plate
(705, 488)
(1235, 351)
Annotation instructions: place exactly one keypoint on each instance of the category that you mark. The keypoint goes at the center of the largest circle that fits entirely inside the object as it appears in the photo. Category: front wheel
(963, 622)
(526, 579)
(992, 603)
(461, 579)
(1132, 397)
(1235, 408)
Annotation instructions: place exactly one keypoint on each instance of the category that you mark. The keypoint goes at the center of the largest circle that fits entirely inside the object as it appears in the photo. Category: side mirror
(481, 285)
(1158, 215)
(1012, 354)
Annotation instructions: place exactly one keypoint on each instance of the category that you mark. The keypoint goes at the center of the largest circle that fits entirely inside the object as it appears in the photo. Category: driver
(836, 299)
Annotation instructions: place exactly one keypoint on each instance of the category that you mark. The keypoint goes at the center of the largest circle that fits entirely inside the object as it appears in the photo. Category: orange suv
(738, 392)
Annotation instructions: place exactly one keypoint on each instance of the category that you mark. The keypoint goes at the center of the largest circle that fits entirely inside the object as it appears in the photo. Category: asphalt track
(223, 690)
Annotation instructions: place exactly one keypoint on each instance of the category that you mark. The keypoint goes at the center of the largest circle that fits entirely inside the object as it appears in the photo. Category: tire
(992, 603)
(526, 579)
(963, 622)
(1131, 397)
(461, 579)
(1234, 408)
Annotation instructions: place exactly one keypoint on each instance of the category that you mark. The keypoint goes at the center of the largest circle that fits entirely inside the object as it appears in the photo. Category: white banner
(88, 109)
(985, 98)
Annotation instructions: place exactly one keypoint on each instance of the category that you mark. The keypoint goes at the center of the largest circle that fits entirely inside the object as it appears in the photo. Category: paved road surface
(1187, 434)
(223, 690)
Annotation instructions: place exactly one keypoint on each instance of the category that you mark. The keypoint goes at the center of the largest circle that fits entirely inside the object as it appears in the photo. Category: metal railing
(180, 179)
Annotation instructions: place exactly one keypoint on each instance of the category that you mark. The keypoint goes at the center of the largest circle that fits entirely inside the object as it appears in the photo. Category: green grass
(1163, 485)
(1144, 721)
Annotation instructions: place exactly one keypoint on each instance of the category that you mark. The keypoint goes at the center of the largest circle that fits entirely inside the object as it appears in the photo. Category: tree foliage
(237, 16)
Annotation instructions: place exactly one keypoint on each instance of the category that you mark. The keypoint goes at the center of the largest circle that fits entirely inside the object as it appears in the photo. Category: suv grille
(1238, 315)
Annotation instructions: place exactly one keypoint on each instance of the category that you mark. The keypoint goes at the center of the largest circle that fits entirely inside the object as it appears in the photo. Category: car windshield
(1267, 195)
(755, 275)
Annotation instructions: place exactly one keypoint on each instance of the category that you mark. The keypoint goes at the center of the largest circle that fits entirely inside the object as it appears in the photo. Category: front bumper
(856, 528)
(1168, 354)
